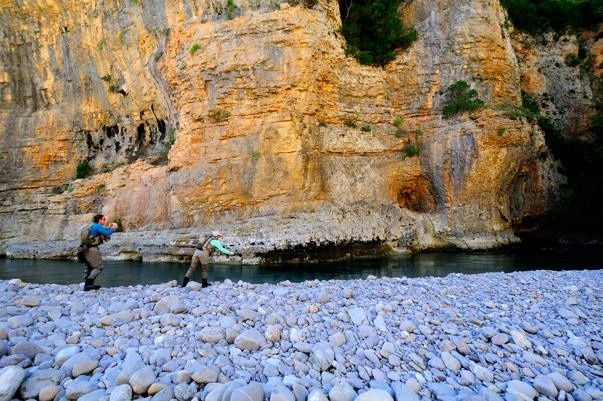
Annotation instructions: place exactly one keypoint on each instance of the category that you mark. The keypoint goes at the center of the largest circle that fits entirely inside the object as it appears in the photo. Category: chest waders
(93, 260)
(200, 257)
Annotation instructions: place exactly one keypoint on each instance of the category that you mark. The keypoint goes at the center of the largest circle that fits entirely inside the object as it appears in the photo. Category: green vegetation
(373, 30)
(411, 150)
(398, 122)
(365, 128)
(113, 87)
(100, 188)
(100, 44)
(255, 155)
(219, 115)
(194, 48)
(230, 7)
(121, 37)
(322, 123)
(501, 130)
(171, 137)
(461, 99)
(83, 169)
(529, 109)
(169, 140)
(540, 16)
(348, 122)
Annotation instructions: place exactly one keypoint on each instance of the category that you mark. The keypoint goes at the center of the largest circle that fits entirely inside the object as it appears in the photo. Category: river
(118, 273)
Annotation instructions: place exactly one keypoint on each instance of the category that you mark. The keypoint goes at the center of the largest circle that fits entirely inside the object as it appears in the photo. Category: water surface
(426, 264)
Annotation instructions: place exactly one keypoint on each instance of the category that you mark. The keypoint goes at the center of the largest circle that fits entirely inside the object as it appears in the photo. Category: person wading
(88, 252)
(201, 255)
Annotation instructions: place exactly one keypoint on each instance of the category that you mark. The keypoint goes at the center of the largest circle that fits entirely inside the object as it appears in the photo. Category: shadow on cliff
(313, 252)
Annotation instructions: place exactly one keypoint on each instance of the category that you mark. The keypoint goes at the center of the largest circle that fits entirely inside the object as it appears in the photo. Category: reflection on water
(427, 264)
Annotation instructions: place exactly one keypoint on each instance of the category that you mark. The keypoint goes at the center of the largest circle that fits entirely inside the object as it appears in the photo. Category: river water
(426, 264)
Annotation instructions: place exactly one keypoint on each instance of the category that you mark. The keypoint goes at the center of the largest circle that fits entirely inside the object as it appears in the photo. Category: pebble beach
(534, 335)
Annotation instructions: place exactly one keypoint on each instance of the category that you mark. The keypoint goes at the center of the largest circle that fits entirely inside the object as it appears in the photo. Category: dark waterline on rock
(118, 273)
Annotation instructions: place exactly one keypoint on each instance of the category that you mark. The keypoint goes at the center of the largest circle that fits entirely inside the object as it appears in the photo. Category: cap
(215, 233)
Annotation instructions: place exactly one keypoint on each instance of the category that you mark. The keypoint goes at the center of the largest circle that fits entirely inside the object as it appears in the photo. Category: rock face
(195, 116)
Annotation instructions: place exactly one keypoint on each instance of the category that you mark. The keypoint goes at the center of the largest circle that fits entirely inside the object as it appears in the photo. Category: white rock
(210, 335)
(273, 332)
(520, 338)
(450, 361)
(11, 378)
(500, 339)
(521, 390)
(322, 356)
(132, 363)
(84, 367)
(65, 354)
(358, 315)
(30, 301)
(121, 393)
(167, 392)
(16, 322)
(324, 297)
(183, 392)
(337, 339)
(49, 392)
(379, 324)
(544, 385)
(342, 391)
(281, 393)
(481, 373)
(206, 375)
(250, 340)
(167, 304)
(141, 380)
(316, 394)
(77, 389)
(117, 319)
(375, 395)
(250, 392)
(561, 382)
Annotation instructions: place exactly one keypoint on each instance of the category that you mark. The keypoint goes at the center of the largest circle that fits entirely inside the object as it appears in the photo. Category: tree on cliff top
(373, 30)
(539, 16)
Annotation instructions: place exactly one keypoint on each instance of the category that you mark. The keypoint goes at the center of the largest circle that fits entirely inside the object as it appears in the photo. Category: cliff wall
(252, 120)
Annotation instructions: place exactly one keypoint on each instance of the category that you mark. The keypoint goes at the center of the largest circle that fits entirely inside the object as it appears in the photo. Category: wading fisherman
(201, 255)
(92, 236)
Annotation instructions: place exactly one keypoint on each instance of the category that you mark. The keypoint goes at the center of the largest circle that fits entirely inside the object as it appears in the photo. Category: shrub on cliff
(461, 98)
(373, 30)
(83, 169)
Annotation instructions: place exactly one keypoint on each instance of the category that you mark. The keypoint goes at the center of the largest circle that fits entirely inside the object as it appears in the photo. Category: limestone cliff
(196, 116)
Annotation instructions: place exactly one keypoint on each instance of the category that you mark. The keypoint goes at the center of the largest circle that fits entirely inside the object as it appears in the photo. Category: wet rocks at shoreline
(494, 336)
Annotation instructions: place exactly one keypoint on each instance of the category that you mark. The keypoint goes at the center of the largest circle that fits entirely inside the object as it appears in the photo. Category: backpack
(84, 233)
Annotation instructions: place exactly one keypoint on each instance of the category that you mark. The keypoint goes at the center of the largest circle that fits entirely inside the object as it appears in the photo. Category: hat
(215, 234)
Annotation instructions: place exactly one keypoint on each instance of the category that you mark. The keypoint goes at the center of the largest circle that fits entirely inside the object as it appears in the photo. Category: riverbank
(486, 336)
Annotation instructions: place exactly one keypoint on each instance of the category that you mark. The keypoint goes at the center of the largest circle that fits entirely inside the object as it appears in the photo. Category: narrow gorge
(248, 117)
